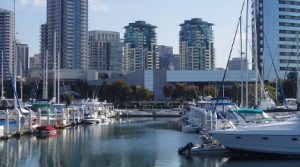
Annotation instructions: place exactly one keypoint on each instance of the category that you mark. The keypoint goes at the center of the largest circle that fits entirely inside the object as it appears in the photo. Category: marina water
(122, 143)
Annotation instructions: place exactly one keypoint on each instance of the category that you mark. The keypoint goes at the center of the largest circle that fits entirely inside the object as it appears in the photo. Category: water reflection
(126, 142)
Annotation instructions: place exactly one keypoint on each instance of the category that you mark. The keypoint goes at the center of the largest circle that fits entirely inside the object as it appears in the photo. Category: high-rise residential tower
(276, 33)
(6, 40)
(43, 44)
(105, 51)
(22, 51)
(140, 50)
(196, 45)
(68, 19)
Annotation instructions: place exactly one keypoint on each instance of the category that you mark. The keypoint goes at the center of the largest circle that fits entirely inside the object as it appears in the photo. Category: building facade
(196, 45)
(237, 63)
(164, 50)
(155, 80)
(167, 60)
(67, 22)
(276, 31)
(35, 62)
(6, 41)
(105, 51)
(43, 45)
(140, 51)
(22, 59)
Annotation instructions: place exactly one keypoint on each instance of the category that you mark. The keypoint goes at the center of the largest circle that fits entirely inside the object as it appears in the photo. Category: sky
(114, 15)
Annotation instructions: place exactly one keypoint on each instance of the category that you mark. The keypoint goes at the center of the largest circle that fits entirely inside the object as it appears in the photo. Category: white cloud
(24, 3)
(39, 3)
(36, 3)
(98, 5)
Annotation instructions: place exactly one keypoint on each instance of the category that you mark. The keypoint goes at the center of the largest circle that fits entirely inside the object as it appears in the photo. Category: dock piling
(48, 116)
(6, 130)
(39, 116)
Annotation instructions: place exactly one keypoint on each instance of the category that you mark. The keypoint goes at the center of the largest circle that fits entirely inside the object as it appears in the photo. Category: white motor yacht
(271, 138)
(91, 120)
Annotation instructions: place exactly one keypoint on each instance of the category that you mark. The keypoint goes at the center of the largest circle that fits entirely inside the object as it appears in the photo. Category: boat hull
(91, 121)
(46, 132)
(209, 151)
(189, 129)
(284, 144)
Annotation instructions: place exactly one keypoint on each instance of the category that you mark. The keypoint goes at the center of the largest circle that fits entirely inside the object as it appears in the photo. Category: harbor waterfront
(121, 142)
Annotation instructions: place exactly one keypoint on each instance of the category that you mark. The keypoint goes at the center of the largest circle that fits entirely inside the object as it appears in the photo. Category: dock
(154, 113)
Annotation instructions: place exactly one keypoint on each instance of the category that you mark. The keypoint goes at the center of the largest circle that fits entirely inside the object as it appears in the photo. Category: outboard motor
(185, 149)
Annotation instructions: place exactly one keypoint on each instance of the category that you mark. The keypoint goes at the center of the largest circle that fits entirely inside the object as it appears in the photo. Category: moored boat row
(42, 114)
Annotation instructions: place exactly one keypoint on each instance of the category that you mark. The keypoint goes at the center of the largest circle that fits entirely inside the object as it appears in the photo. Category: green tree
(168, 90)
(192, 92)
(180, 91)
(271, 91)
(105, 92)
(210, 90)
(144, 94)
(121, 92)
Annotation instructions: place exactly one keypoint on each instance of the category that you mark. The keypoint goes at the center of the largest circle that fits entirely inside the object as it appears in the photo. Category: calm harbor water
(123, 143)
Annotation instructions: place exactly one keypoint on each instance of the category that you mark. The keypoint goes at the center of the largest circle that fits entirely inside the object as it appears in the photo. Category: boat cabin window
(59, 108)
(221, 108)
(252, 117)
(42, 108)
(291, 102)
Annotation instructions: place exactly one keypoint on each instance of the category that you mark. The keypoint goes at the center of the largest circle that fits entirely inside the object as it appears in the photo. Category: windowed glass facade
(196, 48)
(140, 47)
(276, 30)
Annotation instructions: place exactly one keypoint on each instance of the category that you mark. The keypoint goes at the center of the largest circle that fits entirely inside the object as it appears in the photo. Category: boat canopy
(40, 104)
(247, 110)
(223, 103)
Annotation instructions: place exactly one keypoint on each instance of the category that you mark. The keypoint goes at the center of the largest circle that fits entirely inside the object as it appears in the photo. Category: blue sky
(115, 14)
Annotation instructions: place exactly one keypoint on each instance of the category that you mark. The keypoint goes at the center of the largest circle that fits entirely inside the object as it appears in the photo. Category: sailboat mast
(54, 66)
(298, 79)
(15, 56)
(255, 58)
(21, 77)
(58, 78)
(242, 66)
(44, 74)
(246, 52)
(46, 77)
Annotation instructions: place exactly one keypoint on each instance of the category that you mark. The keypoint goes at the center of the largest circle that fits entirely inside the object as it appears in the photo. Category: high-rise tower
(276, 33)
(140, 47)
(196, 48)
(6, 40)
(68, 19)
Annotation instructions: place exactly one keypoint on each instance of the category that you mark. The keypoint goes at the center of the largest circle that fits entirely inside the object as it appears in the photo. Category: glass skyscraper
(196, 45)
(276, 31)
(22, 59)
(6, 40)
(140, 51)
(69, 20)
